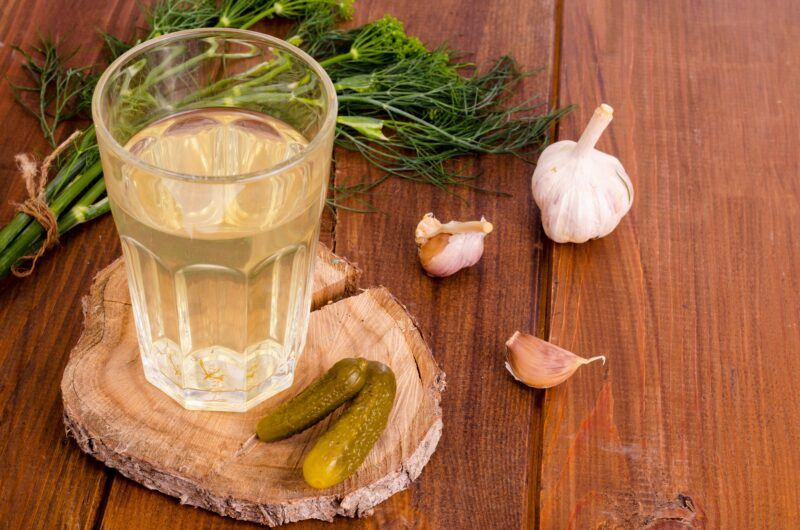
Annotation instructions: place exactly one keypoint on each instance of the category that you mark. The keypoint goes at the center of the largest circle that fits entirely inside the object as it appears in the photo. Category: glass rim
(101, 128)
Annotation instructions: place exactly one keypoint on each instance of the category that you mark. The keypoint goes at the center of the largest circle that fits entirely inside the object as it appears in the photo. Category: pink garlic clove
(445, 249)
(540, 364)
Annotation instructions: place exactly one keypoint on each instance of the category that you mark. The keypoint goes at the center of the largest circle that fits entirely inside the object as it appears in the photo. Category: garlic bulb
(583, 193)
(445, 249)
(539, 364)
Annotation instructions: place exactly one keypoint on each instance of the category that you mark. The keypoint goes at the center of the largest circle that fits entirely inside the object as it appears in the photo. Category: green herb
(60, 92)
(412, 112)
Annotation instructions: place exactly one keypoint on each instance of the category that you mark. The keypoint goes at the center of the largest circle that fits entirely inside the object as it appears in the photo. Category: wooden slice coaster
(212, 459)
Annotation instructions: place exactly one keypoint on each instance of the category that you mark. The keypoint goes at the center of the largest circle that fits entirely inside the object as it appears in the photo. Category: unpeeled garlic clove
(445, 249)
(539, 364)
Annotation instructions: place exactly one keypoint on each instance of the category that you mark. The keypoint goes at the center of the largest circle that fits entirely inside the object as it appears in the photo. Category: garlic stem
(457, 227)
(600, 119)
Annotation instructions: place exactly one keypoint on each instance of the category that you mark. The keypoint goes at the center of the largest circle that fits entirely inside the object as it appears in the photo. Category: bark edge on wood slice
(211, 459)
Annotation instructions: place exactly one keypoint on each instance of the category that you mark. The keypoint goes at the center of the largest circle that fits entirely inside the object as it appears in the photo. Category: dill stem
(179, 68)
(21, 220)
(232, 101)
(74, 189)
(13, 228)
(394, 110)
(162, 70)
(28, 238)
(336, 59)
(271, 74)
(263, 14)
(223, 83)
(80, 214)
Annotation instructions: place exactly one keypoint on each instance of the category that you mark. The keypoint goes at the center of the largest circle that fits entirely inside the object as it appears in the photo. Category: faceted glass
(216, 149)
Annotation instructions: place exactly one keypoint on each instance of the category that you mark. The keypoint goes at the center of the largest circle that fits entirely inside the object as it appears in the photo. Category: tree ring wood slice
(212, 459)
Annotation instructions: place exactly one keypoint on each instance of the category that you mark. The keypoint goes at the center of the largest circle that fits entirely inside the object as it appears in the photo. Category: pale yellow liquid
(219, 269)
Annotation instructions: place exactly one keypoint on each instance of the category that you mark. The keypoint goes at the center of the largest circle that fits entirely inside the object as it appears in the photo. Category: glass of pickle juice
(216, 149)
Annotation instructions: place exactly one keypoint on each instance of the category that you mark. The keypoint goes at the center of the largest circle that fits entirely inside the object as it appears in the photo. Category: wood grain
(479, 477)
(694, 299)
(212, 460)
(46, 482)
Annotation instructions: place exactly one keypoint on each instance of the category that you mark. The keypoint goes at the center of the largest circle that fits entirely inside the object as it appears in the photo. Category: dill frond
(59, 92)
(415, 113)
(115, 46)
(376, 44)
(168, 16)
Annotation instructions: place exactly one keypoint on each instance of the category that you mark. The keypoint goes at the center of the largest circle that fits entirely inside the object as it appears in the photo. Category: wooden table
(695, 298)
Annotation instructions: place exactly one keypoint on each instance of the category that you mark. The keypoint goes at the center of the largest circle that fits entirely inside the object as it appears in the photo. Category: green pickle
(339, 384)
(339, 452)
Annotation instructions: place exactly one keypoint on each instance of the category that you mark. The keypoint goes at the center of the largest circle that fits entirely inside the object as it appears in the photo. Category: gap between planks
(545, 287)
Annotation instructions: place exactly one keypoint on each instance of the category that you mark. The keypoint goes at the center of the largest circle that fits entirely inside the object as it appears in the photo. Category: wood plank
(478, 477)
(694, 299)
(46, 482)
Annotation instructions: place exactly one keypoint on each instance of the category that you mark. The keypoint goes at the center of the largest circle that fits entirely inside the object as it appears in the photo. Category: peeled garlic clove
(582, 193)
(539, 364)
(445, 249)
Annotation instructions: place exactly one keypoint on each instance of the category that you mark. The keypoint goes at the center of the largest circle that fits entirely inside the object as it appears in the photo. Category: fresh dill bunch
(60, 92)
(424, 113)
(412, 112)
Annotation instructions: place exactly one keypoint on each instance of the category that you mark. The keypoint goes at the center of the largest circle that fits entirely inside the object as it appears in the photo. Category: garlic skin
(540, 364)
(582, 193)
(445, 249)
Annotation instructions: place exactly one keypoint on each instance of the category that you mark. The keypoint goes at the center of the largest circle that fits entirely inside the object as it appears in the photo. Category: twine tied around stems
(35, 205)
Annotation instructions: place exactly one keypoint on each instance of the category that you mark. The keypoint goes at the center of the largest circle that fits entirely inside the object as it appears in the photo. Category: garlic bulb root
(540, 364)
(582, 193)
(444, 249)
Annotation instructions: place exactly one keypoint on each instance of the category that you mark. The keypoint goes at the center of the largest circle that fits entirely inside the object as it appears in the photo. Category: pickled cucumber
(339, 384)
(339, 452)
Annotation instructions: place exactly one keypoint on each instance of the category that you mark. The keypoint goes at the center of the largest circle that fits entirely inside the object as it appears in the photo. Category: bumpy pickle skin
(339, 452)
(338, 385)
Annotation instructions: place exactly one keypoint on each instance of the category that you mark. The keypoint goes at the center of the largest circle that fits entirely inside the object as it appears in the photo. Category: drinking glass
(216, 149)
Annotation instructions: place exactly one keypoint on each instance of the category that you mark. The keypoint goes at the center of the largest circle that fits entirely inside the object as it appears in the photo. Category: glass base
(222, 401)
